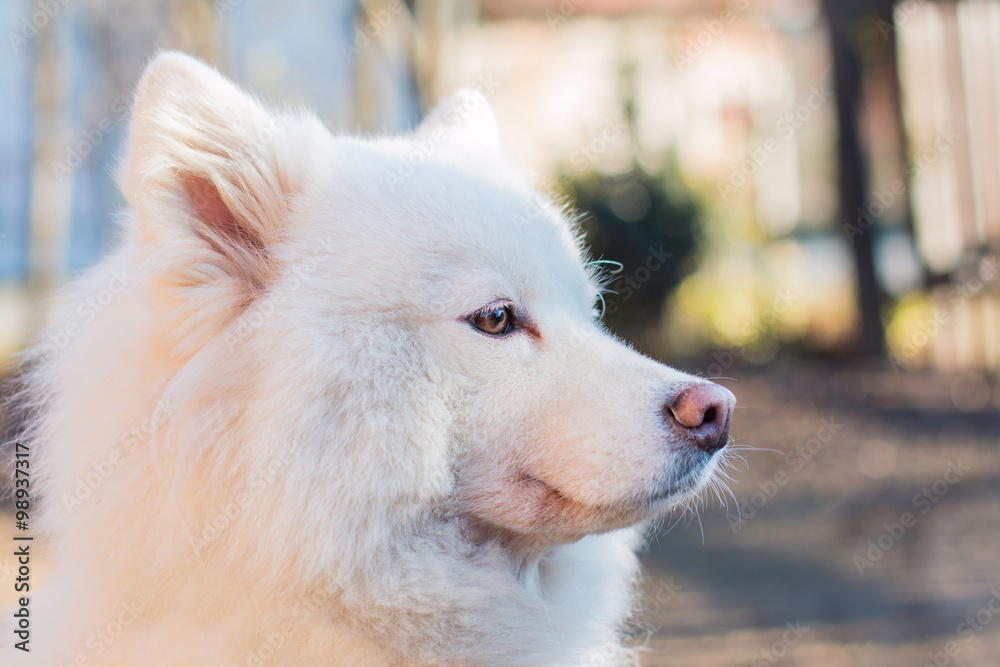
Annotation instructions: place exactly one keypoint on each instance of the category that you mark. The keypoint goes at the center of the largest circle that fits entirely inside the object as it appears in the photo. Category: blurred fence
(950, 69)
(846, 155)
(68, 74)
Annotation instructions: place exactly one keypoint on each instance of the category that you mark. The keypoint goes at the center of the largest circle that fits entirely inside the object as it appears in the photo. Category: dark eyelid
(525, 324)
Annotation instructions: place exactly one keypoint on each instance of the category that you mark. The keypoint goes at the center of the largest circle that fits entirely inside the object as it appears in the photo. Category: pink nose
(701, 414)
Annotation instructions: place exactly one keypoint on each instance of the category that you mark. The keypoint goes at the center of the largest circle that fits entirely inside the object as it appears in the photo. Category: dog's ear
(206, 165)
(463, 124)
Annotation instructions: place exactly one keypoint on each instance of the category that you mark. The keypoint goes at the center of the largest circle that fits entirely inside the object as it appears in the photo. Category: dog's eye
(495, 321)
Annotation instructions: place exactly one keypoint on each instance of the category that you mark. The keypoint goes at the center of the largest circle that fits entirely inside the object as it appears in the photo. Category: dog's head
(407, 313)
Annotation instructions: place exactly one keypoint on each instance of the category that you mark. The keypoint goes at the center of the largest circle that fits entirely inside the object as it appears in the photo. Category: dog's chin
(677, 491)
(539, 512)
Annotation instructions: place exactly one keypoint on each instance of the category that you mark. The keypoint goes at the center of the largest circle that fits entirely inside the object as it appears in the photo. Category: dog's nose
(701, 414)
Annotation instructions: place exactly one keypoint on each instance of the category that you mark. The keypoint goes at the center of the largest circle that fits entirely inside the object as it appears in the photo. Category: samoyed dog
(342, 401)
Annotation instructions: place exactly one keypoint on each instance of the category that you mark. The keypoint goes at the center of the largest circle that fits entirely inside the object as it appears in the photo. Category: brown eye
(495, 322)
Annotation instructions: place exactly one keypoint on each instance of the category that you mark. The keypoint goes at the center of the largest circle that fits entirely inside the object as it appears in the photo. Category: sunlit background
(803, 196)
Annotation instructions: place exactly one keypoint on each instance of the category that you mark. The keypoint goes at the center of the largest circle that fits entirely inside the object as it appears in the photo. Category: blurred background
(803, 197)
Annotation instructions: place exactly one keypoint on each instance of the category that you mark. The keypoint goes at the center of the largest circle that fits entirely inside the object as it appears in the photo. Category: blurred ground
(792, 560)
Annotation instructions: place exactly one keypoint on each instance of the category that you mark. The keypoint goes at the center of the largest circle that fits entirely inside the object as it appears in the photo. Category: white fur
(390, 486)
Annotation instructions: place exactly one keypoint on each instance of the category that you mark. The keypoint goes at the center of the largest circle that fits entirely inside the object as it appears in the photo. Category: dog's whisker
(717, 487)
(751, 448)
(736, 504)
(671, 527)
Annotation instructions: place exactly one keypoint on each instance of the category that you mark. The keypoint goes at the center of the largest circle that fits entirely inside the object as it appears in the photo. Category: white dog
(337, 401)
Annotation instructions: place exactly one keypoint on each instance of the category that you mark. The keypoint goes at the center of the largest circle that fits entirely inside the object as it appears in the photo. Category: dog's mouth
(525, 504)
(676, 491)
(694, 472)
(678, 486)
